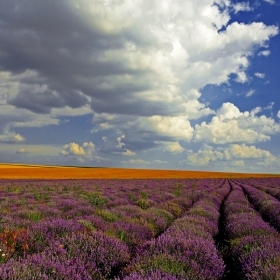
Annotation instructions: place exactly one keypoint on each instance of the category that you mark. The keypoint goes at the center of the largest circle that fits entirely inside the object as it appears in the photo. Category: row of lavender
(269, 185)
(254, 245)
(87, 229)
(187, 249)
(266, 198)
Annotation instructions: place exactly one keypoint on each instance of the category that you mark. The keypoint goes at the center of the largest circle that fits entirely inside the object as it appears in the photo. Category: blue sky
(190, 85)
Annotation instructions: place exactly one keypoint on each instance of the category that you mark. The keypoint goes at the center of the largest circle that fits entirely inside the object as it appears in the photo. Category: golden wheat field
(22, 171)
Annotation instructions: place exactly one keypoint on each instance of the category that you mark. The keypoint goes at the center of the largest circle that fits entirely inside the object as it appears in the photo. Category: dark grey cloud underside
(56, 42)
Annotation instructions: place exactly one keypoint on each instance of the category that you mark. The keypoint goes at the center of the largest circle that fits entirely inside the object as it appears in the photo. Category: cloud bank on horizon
(156, 84)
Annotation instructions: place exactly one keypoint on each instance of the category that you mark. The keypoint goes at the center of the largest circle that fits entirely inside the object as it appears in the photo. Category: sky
(160, 84)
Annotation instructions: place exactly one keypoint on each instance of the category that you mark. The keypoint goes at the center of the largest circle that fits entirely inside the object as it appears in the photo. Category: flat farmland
(13, 171)
(75, 223)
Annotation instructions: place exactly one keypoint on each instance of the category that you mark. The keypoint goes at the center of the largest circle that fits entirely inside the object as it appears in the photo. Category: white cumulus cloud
(175, 127)
(137, 162)
(173, 147)
(270, 1)
(235, 154)
(242, 6)
(250, 93)
(260, 75)
(74, 149)
(11, 137)
(120, 143)
(243, 151)
(127, 152)
(22, 151)
(158, 161)
(264, 53)
(230, 125)
(237, 163)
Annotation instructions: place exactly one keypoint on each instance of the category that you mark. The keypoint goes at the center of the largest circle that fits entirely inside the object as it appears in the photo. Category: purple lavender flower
(151, 275)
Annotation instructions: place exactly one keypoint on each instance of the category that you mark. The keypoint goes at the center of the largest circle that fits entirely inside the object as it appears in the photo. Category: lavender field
(140, 229)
